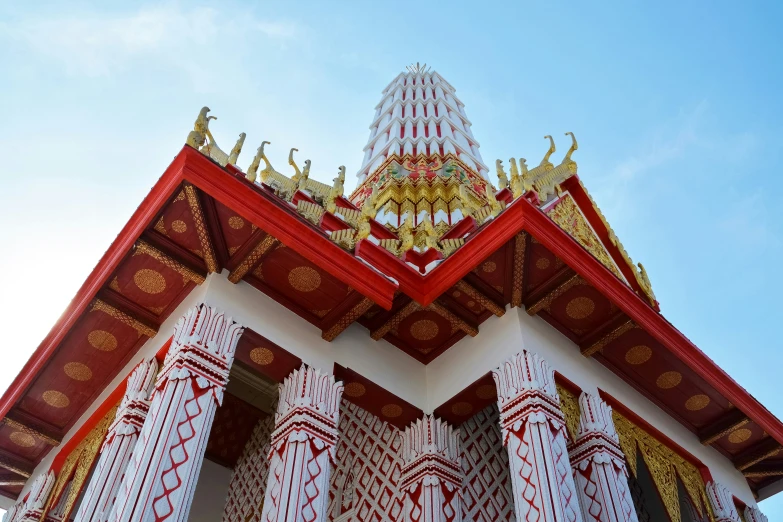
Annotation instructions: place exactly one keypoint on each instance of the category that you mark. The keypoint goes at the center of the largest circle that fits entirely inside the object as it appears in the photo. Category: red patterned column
(163, 471)
(431, 475)
(119, 444)
(533, 429)
(753, 514)
(722, 503)
(303, 446)
(599, 465)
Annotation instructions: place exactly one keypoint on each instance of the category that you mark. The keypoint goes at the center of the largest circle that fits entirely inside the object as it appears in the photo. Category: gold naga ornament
(201, 139)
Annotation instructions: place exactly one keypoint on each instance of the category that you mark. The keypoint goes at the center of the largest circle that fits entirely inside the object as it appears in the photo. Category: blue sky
(676, 106)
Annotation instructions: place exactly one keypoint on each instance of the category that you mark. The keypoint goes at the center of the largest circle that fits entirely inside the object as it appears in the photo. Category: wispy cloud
(101, 44)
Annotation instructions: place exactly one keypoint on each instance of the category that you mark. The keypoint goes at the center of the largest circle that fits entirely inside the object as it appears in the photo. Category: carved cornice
(18, 425)
(141, 328)
(201, 228)
(482, 299)
(348, 319)
(518, 274)
(546, 301)
(253, 258)
(729, 422)
(142, 247)
(609, 337)
(762, 450)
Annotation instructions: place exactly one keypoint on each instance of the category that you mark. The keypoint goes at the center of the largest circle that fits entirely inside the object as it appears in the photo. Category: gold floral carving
(304, 279)
(55, 399)
(262, 356)
(463, 409)
(568, 217)
(395, 321)
(486, 392)
(391, 410)
(19, 427)
(149, 281)
(236, 222)
(569, 403)
(255, 255)
(77, 466)
(485, 301)
(347, 320)
(580, 308)
(639, 354)
(142, 247)
(354, 389)
(102, 340)
(201, 228)
(697, 402)
(545, 302)
(664, 464)
(124, 318)
(22, 439)
(668, 380)
(542, 263)
(160, 226)
(179, 226)
(78, 371)
(455, 322)
(616, 333)
(424, 330)
(518, 276)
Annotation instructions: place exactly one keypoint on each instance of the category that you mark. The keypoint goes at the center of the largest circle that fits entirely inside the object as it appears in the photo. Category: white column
(722, 503)
(119, 444)
(753, 514)
(599, 465)
(303, 446)
(534, 432)
(31, 510)
(431, 478)
(163, 471)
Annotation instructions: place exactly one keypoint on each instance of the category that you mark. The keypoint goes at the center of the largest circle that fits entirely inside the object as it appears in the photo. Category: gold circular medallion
(102, 340)
(78, 371)
(697, 402)
(262, 356)
(424, 330)
(542, 263)
(486, 391)
(471, 304)
(22, 439)
(391, 411)
(580, 308)
(236, 222)
(354, 389)
(489, 267)
(740, 435)
(457, 293)
(55, 399)
(179, 226)
(149, 281)
(638, 354)
(304, 279)
(461, 408)
(668, 380)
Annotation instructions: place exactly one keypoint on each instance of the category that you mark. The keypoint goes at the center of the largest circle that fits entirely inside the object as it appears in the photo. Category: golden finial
(502, 177)
(337, 191)
(574, 146)
(198, 136)
(253, 168)
(234, 155)
(545, 162)
(405, 234)
(494, 204)
(516, 180)
(297, 172)
(644, 282)
(368, 212)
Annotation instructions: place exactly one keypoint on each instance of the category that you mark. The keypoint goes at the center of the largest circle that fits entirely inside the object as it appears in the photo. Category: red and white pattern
(303, 446)
(365, 483)
(722, 503)
(119, 444)
(163, 471)
(599, 465)
(534, 432)
(31, 509)
(486, 488)
(431, 479)
(753, 514)
(248, 482)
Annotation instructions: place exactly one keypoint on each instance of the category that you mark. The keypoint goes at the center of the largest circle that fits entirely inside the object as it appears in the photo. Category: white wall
(502, 337)
(210, 495)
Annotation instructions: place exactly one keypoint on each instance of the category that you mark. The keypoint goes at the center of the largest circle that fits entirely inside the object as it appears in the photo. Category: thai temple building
(440, 345)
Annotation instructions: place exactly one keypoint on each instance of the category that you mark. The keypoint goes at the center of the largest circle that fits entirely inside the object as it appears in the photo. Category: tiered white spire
(419, 113)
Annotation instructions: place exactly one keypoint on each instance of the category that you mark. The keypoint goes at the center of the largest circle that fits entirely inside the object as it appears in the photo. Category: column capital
(32, 509)
(722, 502)
(136, 401)
(431, 447)
(754, 514)
(597, 438)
